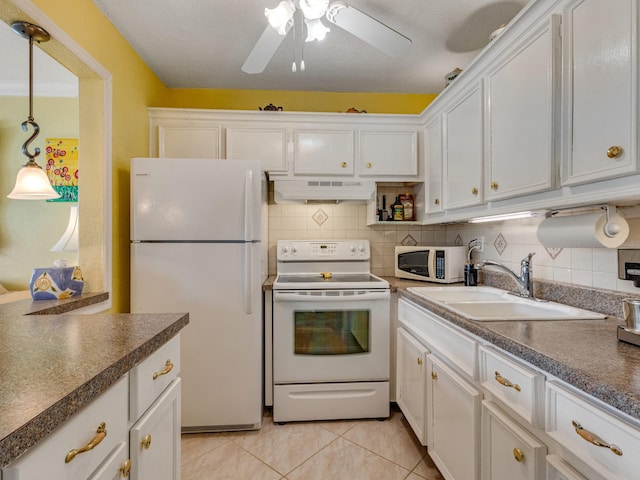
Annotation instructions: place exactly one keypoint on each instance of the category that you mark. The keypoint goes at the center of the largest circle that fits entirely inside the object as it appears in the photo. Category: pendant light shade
(32, 182)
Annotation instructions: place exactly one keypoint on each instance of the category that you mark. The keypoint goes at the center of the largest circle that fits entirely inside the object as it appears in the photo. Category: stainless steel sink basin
(493, 304)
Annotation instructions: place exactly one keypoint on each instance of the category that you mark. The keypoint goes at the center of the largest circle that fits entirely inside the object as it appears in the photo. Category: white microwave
(431, 264)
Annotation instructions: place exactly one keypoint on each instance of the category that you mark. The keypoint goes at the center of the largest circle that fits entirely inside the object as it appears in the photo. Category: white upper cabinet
(189, 141)
(269, 145)
(433, 164)
(388, 153)
(522, 114)
(600, 124)
(464, 149)
(323, 152)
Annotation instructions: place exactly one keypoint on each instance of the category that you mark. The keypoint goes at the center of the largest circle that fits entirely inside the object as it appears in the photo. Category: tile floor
(339, 450)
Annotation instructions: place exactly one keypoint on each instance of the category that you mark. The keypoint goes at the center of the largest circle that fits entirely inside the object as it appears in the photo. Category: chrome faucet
(524, 281)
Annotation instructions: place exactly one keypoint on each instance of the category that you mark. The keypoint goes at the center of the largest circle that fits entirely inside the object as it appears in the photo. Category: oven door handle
(304, 296)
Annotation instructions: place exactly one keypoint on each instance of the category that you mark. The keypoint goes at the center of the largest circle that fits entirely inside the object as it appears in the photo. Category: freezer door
(222, 344)
(195, 199)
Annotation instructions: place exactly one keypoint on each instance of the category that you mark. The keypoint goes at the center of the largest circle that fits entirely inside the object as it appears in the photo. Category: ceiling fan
(345, 16)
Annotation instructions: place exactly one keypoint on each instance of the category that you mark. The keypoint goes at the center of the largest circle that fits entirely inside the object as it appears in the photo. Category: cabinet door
(522, 115)
(155, 438)
(558, 469)
(601, 87)
(116, 466)
(188, 141)
(433, 165)
(453, 425)
(411, 382)
(323, 152)
(464, 150)
(509, 451)
(388, 153)
(269, 145)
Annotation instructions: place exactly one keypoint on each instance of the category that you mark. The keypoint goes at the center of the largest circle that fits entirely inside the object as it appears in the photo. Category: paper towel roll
(582, 231)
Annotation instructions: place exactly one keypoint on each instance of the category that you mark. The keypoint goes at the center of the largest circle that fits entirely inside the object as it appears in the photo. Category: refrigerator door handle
(247, 282)
(248, 204)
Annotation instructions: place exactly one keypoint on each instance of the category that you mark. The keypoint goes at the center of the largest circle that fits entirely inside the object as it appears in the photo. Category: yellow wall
(135, 88)
(300, 101)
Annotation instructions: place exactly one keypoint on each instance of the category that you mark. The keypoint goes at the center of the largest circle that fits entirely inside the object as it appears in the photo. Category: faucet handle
(527, 260)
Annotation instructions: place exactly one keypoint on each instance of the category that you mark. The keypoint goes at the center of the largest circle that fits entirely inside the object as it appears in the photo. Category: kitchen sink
(494, 304)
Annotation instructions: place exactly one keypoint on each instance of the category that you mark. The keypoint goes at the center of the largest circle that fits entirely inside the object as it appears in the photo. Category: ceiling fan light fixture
(281, 17)
(315, 30)
(313, 9)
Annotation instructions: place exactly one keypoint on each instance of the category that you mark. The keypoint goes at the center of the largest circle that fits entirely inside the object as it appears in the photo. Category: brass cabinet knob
(125, 468)
(100, 435)
(436, 201)
(614, 152)
(434, 376)
(474, 191)
(504, 382)
(419, 361)
(168, 366)
(518, 455)
(368, 164)
(146, 441)
(343, 164)
(494, 185)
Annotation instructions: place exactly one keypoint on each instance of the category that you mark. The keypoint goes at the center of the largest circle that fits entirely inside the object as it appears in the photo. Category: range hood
(309, 190)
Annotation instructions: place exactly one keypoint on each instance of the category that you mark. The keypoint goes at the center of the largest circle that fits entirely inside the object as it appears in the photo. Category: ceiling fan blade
(263, 51)
(368, 29)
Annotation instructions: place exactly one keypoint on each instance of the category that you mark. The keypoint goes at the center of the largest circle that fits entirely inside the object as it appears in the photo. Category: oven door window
(331, 332)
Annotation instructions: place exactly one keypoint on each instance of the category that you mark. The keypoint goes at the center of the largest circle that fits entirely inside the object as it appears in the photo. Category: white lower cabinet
(509, 452)
(116, 466)
(411, 382)
(558, 469)
(454, 422)
(155, 438)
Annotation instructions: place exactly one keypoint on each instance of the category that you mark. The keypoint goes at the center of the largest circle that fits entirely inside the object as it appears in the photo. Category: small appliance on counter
(631, 311)
(431, 264)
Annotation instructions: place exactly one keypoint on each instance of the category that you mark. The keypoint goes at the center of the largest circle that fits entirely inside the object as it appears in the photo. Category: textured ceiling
(203, 43)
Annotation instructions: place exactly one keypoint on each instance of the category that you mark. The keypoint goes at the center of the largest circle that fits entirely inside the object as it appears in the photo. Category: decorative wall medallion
(458, 242)
(409, 241)
(500, 244)
(320, 216)
(553, 252)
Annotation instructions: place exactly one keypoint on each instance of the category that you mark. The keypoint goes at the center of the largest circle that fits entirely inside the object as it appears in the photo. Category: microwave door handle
(431, 262)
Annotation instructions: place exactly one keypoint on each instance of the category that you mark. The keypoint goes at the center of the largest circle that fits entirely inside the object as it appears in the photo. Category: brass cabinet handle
(614, 151)
(518, 455)
(503, 381)
(419, 361)
(125, 468)
(101, 432)
(494, 185)
(594, 439)
(474, 191)
(368, 165)
(344, 164)
(434, 376)
(146, 441)
(168, 366)
(436, 201)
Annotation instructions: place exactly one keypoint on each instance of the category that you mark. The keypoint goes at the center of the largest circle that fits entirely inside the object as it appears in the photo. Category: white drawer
(558, 469)
(150, 377)
(517, 386)
(47, 459)
(454, 345)
(565, 407)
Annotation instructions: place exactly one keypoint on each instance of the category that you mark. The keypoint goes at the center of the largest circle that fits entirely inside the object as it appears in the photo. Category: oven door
(330, 336)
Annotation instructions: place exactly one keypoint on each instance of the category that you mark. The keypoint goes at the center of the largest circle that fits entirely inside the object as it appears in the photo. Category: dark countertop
(583, 353)
(52, 363)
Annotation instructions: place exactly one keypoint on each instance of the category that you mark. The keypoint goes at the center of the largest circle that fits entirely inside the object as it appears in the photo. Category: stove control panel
(305, 250)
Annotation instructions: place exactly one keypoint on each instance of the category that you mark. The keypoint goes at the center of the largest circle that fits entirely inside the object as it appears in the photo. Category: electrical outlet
(480, 243)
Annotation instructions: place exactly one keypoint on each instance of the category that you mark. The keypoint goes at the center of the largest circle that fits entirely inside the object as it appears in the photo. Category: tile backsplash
(507, 242)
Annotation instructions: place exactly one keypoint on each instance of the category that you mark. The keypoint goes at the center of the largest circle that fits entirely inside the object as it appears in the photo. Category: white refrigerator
(198, 245)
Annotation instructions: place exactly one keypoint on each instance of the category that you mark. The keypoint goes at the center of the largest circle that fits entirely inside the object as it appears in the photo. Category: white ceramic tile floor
(340, 450)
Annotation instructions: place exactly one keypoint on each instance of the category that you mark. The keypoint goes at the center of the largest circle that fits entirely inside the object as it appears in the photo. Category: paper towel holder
(610, 228)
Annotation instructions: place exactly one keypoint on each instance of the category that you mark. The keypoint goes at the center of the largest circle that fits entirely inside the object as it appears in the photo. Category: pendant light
(32, 182)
